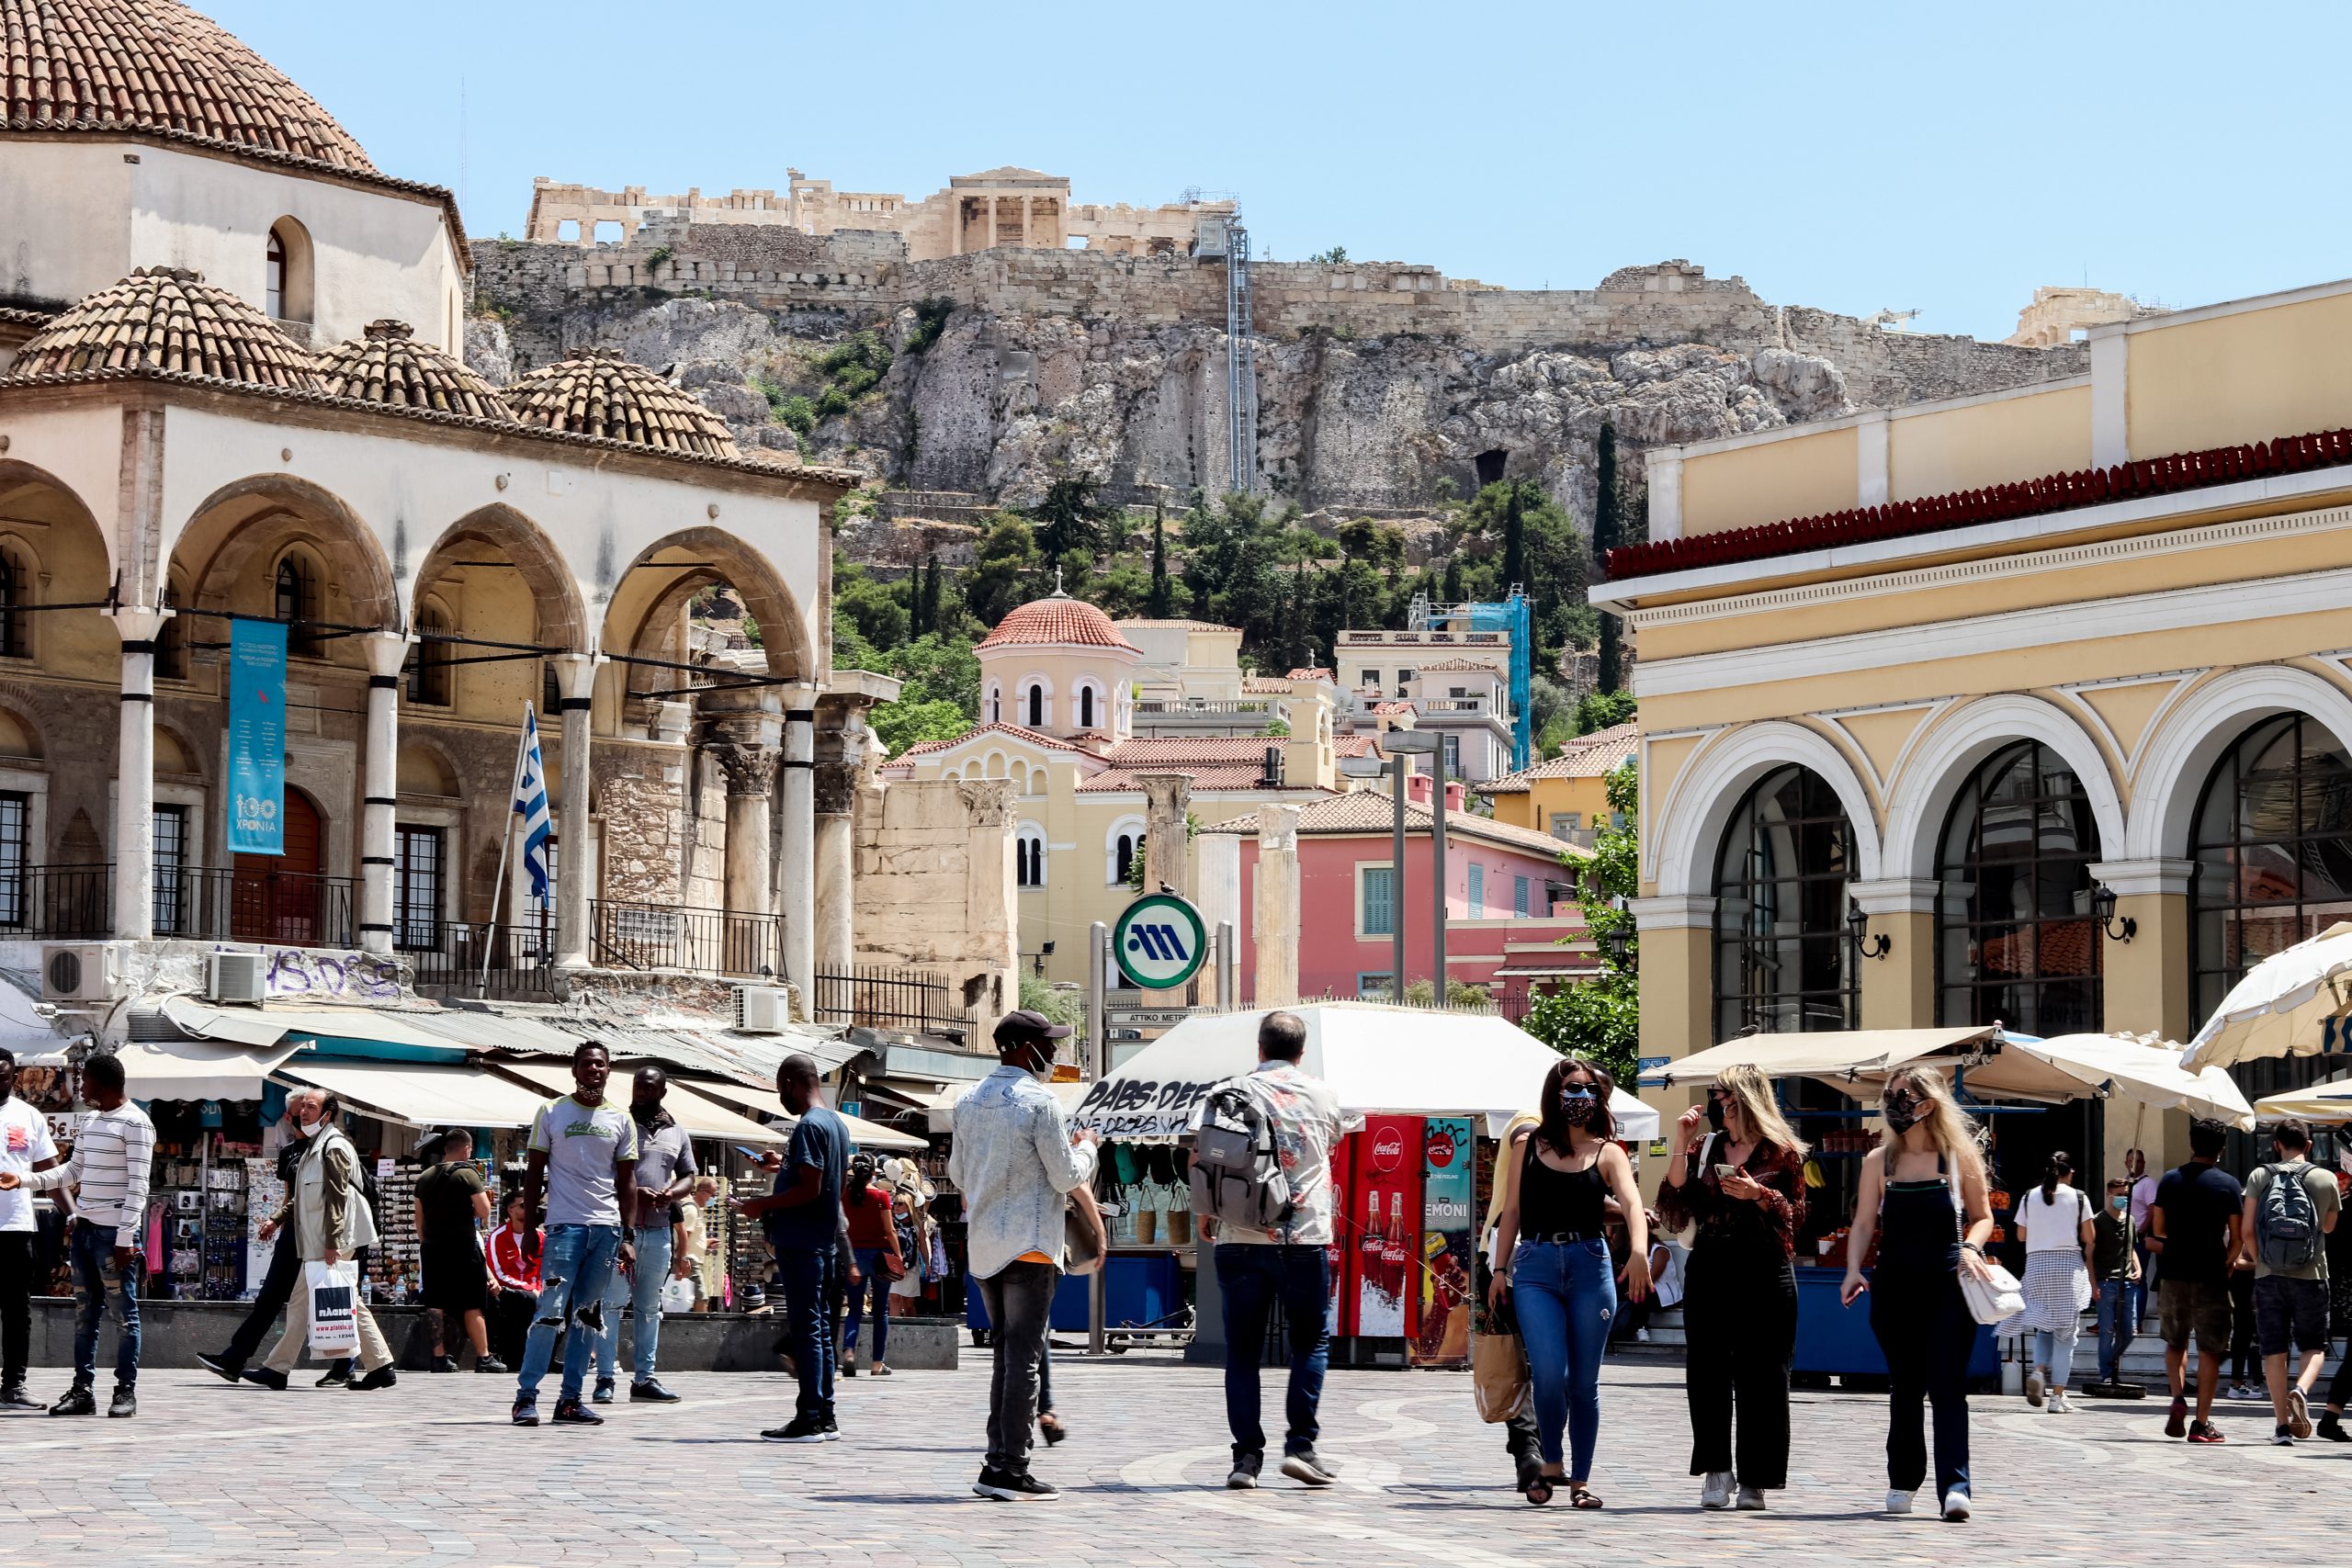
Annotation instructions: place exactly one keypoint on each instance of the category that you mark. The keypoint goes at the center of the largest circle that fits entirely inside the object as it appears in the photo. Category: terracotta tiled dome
(1058, 619)
(596, 394)
(163, 319)
(155, 66)
(390, 366)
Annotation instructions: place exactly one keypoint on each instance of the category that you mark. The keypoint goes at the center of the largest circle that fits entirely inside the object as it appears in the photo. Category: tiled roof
(390, 366)
(1270, 685)
(1058, 620)
(1010, 731)
(153, 65)
(1392, 707)
(164, 319)
(1369, 811)
(2031, 498)
(1593, 756)
(17, 316)
(1312, 672)
(1206, 780)
(1355, 746)
(597, 394)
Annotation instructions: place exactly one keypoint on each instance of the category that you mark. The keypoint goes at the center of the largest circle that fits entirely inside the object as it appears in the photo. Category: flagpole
(505, 839)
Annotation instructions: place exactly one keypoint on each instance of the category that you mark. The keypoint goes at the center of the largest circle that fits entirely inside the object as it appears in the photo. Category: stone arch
(424, 768)
(704, 557)
(44, 525)
(255, 519)
(1920, 798)
(2180, 757)
(20, 739)
(555, 592)
(174, 753)
(1698, 803)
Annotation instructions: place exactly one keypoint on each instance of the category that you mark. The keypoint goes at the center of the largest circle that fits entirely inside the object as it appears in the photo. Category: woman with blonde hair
(1738, 1176)
(1924, 1198)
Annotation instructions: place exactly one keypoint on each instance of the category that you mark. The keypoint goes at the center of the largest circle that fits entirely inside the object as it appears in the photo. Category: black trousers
(511, 1313)
(19, 1262)
(277, 1289)
(2242, 1345)
(1739, 1320)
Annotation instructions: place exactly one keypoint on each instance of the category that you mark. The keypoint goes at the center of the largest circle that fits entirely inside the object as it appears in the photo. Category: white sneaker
(1641, 1337)
(1715, 1492)
(1956, 1503)
(1897, 1502)
(1751, 1500)
(2058, 1405)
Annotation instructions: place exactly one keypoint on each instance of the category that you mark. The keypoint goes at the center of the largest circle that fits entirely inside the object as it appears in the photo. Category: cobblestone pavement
(430, 1471)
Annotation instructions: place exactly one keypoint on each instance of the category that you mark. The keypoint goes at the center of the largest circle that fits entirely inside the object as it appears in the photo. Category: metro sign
(1160, 941)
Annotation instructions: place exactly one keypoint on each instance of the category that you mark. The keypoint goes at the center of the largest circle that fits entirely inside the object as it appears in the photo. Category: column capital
(836, 785)
(140, 623)
(1673, 912)
(1896, 895)
(387, 651)
(2137, 878)
(1278, 829)
(749, 769)
(575, 674)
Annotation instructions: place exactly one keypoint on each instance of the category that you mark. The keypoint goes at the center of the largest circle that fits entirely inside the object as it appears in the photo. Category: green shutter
(1379, 901)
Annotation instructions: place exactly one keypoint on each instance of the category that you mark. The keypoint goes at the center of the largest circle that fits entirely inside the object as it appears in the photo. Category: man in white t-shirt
(25, 1147)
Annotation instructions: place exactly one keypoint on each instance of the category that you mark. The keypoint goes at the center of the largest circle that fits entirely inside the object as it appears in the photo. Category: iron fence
(42, 902)
(919, 1001)
(697, 941)
(233, 904)
(455, 959)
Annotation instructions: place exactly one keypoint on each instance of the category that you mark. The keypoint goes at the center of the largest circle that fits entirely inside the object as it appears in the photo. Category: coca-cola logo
(1438, 1149)
(1388, 1148)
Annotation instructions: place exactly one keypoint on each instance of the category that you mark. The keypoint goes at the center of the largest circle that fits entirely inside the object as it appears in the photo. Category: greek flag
(531, 801)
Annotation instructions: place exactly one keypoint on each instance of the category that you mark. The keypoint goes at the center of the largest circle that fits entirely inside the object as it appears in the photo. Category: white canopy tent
(1406, 1061)
(1841, 1057)
(2293, 1003)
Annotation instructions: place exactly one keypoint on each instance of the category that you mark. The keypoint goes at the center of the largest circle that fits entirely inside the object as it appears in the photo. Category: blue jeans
(90, 1250)
(806, 1274)
(2119, 1323)
(576, 1269)
(644, 1300)
(869, 1278)
(1564, 1293)
(1254, 1281)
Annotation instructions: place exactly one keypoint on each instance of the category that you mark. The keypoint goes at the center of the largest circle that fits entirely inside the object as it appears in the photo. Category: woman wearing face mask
(2061, 1249)
(1741, 1185)
(1558, 1178)
(1924, 1198)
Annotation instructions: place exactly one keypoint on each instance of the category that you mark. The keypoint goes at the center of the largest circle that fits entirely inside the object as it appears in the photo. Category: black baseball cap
(1026, 1024)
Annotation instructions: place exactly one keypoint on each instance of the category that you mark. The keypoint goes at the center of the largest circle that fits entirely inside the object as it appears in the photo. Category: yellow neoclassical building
(2049, 687)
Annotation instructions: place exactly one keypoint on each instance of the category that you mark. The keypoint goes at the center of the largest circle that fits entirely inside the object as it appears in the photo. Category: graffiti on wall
(307, 974)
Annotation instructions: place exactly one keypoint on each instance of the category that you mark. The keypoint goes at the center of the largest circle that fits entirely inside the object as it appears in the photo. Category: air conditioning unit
(235, 976)
(762, 1009)
(83, 973)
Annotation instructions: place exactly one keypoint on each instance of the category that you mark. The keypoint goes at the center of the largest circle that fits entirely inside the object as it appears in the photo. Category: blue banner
(257, 738)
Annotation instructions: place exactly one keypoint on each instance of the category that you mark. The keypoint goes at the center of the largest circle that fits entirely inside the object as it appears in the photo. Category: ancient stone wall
(934, 885)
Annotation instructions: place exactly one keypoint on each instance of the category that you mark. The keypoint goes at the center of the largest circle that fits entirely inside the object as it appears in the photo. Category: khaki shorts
(2195, 1307)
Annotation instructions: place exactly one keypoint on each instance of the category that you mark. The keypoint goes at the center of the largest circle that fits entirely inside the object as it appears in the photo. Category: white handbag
(1996, 1297)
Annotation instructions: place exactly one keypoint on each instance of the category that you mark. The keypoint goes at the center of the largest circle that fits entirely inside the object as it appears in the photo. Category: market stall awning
(419, 1094)
(941, 1115)
(701, 1117)
(2108, 1066)
(1838, 1055)
(2328, 1102)
(763, 1102)
(271, 1025)
(198, 1069)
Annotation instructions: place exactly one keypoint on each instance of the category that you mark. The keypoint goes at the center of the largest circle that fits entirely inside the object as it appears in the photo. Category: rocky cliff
(1379, 387)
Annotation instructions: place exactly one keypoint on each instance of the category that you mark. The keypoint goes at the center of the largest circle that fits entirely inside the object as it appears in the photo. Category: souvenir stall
(1435, 1090)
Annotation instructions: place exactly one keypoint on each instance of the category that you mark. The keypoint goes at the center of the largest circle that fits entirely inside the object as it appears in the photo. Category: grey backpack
(2287, 1225)
(1238, 1174)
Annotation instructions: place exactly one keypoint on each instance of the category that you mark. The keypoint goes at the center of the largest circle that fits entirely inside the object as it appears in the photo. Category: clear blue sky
(1948, 157)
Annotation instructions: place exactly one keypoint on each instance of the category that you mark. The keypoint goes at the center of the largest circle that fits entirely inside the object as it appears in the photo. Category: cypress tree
(1515, 538)
(1608, 530)
(1162, 603)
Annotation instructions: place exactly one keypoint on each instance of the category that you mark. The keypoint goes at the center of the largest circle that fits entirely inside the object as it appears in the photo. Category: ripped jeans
(573, 1273)
(98, 1288)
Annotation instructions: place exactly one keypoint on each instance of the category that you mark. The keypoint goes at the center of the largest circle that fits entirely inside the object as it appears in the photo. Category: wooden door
(281, 898)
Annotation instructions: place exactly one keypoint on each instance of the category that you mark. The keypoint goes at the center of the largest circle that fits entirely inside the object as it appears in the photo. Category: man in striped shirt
(112, 1150)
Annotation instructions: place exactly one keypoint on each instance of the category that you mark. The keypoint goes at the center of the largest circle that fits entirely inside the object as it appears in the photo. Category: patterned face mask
(1575, 1104)
(1900, 1112)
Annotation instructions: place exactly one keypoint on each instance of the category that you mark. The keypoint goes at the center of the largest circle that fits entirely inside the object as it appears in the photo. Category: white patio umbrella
(2290, 1004)
(2116, 1066)
(2328, 1102)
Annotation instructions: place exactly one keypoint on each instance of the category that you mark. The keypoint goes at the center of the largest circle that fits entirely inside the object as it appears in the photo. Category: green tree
(1071, 522)
(1121, 591)
(1004, 570)
(1336, 256)
(1599, 710)
(1161, 603)
(1600, 1017)
(925, 616)
(903, 723)
(878, 608)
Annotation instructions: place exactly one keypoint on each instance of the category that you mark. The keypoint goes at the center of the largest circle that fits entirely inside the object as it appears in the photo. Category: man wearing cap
(1015, 1162)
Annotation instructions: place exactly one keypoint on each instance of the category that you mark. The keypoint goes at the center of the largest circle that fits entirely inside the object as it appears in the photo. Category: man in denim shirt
(1015, 1162)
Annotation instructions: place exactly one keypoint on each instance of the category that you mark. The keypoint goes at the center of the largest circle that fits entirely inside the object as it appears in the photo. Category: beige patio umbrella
(2290, 1004)
(2327, 1102)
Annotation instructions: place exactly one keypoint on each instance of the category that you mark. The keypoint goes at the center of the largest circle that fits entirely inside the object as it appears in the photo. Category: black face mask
(1714, 1113)
(1901, 1115)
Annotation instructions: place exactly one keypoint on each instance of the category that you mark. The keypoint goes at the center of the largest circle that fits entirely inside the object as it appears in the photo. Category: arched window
(1036, 708)
(1784, 960)
(1086, 707)
(996, 703)
(1121, 847)
(273, 282)
(2016, 941)
(2273, 847)
(15, 595)
(297, 606)
(1029, 857)
(286, 272)
(428, 660)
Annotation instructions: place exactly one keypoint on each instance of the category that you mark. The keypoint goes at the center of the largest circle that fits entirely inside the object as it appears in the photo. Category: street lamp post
(1400, 744)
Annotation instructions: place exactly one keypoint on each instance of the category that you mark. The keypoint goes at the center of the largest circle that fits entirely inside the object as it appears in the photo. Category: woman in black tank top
(1557, 1180)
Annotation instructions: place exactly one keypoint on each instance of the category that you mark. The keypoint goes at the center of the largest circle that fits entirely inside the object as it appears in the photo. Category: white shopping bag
(678, 1295)
(334, 1300)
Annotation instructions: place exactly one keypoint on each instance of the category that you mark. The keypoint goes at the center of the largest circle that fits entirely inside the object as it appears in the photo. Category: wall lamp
(1858, 923)
(2103, 910)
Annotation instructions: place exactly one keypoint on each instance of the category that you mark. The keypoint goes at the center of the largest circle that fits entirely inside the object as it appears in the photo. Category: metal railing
(41, 902)
(1452, 705)
(624, 935)
(919, 1001)
(447, 957)
(230, 904)
(1205, 705)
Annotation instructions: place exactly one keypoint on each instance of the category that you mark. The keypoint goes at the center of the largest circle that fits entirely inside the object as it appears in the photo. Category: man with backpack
(1262, 1192)
(2290, 1206)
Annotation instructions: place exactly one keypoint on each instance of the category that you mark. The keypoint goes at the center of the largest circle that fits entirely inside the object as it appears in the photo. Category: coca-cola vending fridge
(1382, 1213)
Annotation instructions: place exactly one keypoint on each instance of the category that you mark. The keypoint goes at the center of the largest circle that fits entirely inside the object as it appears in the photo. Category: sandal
(1539, 1491)
(1051, 1426)
(1582, 1497)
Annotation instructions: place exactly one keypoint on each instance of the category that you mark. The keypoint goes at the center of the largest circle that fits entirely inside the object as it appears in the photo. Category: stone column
(835, 795)
(1275, 906)
(1899, 989)
(379, 799)
(1166, 846)
(2147, 985)
(575, 675)
(797, 871)
(749, 763)
(1676, 984)
(991, 244)
(134, 790)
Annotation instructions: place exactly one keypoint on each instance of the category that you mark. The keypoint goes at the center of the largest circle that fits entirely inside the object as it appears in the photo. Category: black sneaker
(1306, 1467)
(78, 1401)
(650, 1389)
(572, 1413)
(334, 1376)
(443, 1364)
(799, 1429)
(222, 1367)
(833, 1430)
(1005, 1486)
(382, 1377)
(14, 1397)
(491, 1364)
(270, 1378)
(1244, 1477)
(2331, 1425)
(849, 1366)
(526, 1410)
(604, 1394)
(2283, 1436)
(124, 1403)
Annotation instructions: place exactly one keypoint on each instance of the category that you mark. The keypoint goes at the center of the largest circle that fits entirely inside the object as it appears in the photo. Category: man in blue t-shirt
(803, 1220)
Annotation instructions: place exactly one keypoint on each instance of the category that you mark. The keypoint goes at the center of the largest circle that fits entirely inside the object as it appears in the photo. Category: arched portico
(1942, 762)
(1679, 847)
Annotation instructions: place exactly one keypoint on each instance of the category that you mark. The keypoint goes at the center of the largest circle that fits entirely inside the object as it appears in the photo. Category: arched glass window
(2016, 941)
(1086, 707)
(996, 704)
(1784, 959)
(1029, 858)
(274, 278)
(1036, 708)
(2274, 852)
(1123, 856)
(428, 662)
(297, 606)
(15, 593)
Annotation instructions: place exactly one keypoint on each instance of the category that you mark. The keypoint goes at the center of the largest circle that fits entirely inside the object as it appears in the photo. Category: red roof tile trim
(1057, 621)
(2057, 492)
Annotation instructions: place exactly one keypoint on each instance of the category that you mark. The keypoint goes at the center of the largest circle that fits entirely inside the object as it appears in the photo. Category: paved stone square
(430, 1471)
